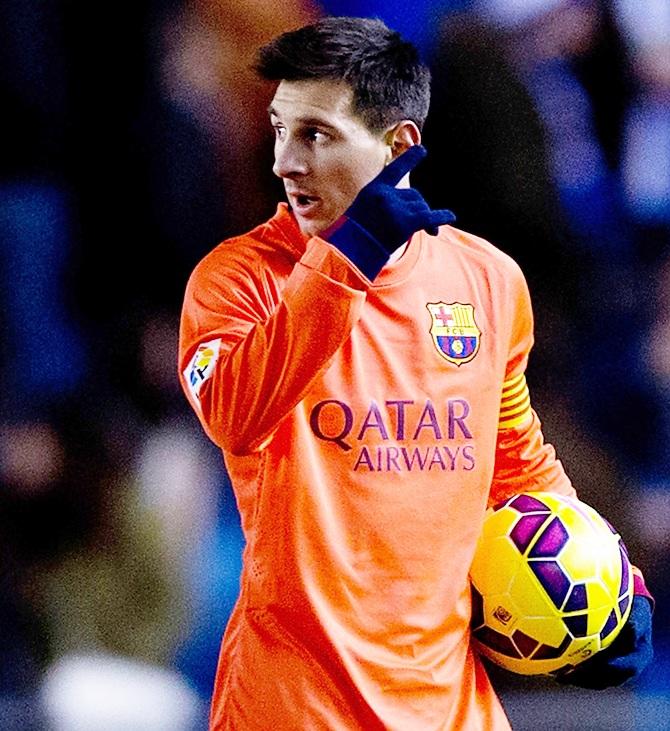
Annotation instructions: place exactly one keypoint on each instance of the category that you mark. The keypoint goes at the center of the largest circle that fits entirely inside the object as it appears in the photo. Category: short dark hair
(388, 79)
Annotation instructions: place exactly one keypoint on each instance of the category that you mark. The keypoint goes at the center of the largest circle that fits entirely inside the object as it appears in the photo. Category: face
(324, 154)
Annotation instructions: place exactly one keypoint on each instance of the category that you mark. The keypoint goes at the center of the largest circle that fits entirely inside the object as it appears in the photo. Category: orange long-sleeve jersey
(365, 427)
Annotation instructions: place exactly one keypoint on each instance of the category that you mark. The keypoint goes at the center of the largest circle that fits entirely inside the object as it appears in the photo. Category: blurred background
(135, 139)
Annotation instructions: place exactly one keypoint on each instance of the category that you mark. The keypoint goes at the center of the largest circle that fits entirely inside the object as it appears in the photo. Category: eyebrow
(305, 121)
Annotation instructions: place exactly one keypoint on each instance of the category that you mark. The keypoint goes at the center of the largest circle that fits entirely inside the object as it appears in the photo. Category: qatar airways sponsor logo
(400, 435)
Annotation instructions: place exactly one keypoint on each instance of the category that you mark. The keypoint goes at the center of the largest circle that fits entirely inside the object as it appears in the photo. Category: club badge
(454, 331)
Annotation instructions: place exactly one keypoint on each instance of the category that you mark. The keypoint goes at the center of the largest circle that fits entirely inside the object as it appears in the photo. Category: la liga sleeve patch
(201, 367)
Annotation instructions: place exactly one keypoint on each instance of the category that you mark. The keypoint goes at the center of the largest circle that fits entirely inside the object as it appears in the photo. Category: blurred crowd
(136, 139)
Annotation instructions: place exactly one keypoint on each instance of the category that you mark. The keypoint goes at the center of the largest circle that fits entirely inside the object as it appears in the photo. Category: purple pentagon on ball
(552, 540)
(547, 652)
(578, 624)
(577, 599)
(553, 580)
(497, 641)
(623, 605)
(524, 642)
(610, 625)
(624, 571)
(525, 530)
(528, 504)
(477, 618)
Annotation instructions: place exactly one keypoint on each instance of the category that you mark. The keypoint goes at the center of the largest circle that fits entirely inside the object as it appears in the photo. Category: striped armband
(514, 403)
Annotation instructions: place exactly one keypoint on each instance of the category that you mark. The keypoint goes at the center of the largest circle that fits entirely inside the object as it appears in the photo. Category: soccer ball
(551, 584)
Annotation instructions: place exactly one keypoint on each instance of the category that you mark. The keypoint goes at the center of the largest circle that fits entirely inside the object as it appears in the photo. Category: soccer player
(360, 362)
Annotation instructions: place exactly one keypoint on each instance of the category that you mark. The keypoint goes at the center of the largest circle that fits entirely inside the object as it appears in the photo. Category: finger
(395, 171)
(435, 219)
(439, 217)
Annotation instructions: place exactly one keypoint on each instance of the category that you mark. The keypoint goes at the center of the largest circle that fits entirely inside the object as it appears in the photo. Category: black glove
(383, 217)
(624, 659)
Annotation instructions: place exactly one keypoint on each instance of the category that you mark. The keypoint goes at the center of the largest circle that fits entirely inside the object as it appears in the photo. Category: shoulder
(245, 258)
(474, 266)
(235, 251)
(481, 252)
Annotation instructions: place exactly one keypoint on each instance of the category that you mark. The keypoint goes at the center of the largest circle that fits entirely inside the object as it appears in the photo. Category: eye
(313, 134)
(279, 130)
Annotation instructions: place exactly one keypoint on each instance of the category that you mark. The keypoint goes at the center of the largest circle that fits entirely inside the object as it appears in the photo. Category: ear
(401, 137)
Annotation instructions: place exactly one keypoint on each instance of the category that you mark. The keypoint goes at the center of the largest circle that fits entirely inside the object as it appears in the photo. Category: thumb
(438, 218)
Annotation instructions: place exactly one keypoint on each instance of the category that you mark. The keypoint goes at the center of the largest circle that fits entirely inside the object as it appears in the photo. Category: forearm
(267, 361)
(268, 372)
(525, 462)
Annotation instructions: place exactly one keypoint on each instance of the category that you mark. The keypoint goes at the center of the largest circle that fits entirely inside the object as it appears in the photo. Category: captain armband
(514, 403)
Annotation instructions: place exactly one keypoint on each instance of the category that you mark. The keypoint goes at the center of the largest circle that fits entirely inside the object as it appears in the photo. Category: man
(361, 364)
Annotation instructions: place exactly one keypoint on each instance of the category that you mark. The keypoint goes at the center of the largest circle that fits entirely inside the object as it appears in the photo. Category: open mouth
(305, 200)
(303, 203)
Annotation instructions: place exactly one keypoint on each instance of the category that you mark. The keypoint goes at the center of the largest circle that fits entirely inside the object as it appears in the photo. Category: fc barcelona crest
(454, 331)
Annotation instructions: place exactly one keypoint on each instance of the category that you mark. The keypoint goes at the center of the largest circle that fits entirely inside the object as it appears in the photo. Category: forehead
(323, 99)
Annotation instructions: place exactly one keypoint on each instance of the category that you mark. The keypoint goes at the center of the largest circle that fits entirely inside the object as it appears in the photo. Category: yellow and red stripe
(514, 403)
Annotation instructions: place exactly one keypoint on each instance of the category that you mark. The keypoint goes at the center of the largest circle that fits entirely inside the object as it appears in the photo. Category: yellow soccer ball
(551, 584)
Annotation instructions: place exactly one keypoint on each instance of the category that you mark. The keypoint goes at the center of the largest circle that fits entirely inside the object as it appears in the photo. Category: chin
(312, 227)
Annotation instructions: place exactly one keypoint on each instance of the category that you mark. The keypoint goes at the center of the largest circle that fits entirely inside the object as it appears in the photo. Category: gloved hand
(383, 217)
(624, 659)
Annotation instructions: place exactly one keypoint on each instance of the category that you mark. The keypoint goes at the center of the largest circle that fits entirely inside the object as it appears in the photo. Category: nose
(290, 159)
